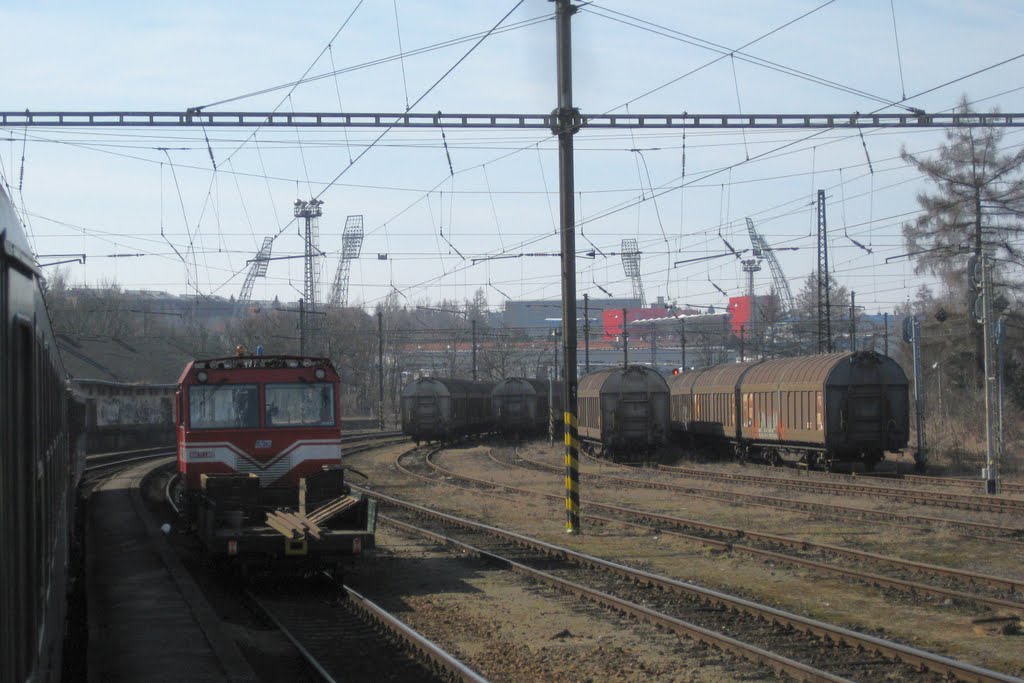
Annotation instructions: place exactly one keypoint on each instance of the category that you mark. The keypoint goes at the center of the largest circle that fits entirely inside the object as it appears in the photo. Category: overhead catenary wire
(189, 280)
(899, 57)
(401, 53)
(305, 79)
(341, 108)
(599, 232)
(739, 104)
(723, 54)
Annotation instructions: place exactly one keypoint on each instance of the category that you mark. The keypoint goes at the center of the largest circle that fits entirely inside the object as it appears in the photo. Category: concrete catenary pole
(586, 332)
(625, 340)
(991, 472)
(885, 347)
(853, 321)
(682, 344)
(380, 369)
(920, 457)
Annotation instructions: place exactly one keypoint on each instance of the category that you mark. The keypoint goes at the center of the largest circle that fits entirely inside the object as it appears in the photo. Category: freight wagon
(823, 409)
(624, 411)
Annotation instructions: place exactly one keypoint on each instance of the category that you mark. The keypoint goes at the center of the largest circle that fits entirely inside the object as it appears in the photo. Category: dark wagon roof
(514, 385)
(821, 369)
(720, 378)
(613, 378)
(425, 385)
(802, 370)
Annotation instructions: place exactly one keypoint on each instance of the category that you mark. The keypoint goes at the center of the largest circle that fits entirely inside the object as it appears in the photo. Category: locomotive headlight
(320, 373)
(202, 376)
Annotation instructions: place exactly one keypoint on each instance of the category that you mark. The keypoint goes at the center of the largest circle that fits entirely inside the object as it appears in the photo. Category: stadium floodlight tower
(310, 212)
(258, 269)
(761, 250)
(351, 246)
(631, 264)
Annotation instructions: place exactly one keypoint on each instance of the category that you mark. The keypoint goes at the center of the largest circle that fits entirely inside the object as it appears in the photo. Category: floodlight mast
(351, 246)
(310, 211)
(631, 265)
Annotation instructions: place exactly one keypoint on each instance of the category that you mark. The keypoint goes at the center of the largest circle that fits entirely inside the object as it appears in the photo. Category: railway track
(959, 482)
(996, 533)
(100, 464)
(951, 500)
(1001, 592)
(355, 437)
(796, 646)
(344, 636)
(894, 478)
(946, 583)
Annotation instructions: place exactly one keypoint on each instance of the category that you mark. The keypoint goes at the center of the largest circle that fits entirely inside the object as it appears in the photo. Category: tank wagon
(624, 410)
(259, 462)
(439, 409)
(40, 465)
(841, 407)
(525, 406)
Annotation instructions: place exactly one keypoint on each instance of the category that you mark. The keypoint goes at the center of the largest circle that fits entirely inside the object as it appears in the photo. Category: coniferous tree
(975, 204)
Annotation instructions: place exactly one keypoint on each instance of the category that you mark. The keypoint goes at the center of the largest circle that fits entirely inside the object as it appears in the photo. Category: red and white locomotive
(259, 460)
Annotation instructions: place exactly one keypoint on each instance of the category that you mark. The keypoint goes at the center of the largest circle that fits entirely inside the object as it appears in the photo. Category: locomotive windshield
(224, 406)
(301, 404)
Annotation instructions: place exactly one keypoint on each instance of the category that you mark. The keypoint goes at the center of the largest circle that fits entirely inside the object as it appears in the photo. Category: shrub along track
(840, 651)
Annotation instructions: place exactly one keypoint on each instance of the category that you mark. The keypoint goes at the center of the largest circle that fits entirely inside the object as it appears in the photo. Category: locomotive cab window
(224, 406)
(300, 404)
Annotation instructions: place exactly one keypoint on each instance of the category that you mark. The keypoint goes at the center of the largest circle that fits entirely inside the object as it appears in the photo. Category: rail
(293, 620)
(861, 642)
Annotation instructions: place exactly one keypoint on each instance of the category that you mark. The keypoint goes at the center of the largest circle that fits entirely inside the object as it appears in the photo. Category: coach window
(223, 406)
(300, 405)
(22, 502)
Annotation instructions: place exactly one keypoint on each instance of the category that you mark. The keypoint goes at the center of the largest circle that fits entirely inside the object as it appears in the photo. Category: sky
(149, 211)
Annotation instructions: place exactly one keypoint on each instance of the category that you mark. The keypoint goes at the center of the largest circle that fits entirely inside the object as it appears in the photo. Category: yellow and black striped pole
(572, 475)
(566, 123)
